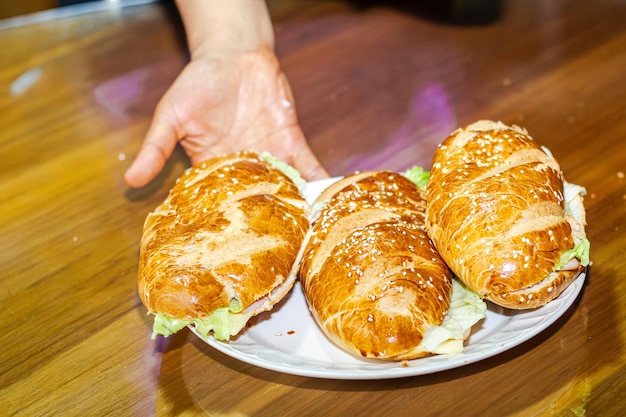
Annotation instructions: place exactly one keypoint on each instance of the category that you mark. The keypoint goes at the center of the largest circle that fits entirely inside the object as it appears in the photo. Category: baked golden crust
(373, 280)
(230, 229)
(496, 214)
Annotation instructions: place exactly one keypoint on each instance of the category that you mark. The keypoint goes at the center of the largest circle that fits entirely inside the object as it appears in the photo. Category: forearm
(243, 25)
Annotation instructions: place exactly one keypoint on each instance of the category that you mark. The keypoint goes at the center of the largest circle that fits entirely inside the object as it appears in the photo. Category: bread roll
(497, 214)
(373, 280)
(227, 238)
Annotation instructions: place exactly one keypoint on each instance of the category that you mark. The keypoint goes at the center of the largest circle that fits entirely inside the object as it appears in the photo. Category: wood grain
(377, 86)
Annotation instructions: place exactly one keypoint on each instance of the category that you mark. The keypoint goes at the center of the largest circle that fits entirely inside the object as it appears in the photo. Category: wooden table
(377, 86)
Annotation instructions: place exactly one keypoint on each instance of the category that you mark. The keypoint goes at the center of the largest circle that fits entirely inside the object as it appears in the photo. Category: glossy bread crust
(373, 280)
(496, 214)
(230, 229)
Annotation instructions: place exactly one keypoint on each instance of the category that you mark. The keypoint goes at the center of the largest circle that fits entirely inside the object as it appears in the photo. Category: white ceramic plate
(288, 339)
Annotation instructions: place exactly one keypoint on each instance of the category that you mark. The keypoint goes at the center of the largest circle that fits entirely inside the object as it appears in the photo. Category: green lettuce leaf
(570, 192)
(223, 322)
(286, 169)
(167, 326)
(418, 176)
(575, 209)
(580, 251)
(466, 309)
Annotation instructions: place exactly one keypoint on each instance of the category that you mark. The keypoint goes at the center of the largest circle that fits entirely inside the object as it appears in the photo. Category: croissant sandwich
(502, 216)
(373, 281)
(223, 246)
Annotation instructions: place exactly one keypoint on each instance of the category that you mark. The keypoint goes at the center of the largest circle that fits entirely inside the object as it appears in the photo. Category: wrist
(236, 25)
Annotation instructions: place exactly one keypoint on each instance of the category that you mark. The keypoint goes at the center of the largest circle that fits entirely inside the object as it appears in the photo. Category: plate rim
(409, 368)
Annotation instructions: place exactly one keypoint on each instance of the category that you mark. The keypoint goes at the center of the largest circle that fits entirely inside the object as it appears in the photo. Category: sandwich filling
(574, 207)
(288, 170)
(224, 322)
(466, 307)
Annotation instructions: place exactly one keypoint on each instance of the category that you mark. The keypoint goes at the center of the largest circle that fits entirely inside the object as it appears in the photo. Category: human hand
(223, 102)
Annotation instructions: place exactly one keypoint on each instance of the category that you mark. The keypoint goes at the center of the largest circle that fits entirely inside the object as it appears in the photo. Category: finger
(158, 146)
(304, 160)
(288, 92)
(308, 165)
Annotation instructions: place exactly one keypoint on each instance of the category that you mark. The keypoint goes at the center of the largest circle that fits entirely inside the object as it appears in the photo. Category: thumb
(304, 160)
(157, 147)
(308, 165)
